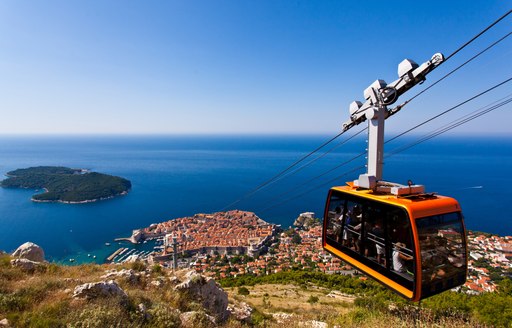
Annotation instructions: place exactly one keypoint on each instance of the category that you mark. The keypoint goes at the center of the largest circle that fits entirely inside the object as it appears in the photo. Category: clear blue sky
(236, 66)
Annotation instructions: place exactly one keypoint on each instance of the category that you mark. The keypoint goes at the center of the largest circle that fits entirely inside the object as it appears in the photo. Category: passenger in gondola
(399, 258)
(433, 257)
(338, 223)
(347, 227)
(378, 232)
(363, 228)
(347, 236)
(356, 218)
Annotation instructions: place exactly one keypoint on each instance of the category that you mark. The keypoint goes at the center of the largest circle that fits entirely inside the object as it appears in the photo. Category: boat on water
(71, 260)
(107, 244)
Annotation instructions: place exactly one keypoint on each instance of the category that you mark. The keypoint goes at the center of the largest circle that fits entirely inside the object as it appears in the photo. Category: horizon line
(225, 134)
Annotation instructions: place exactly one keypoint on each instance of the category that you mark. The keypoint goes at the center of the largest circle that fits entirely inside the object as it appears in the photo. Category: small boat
(107, 244)
(88, 255)
(94, 256)
(71, 260)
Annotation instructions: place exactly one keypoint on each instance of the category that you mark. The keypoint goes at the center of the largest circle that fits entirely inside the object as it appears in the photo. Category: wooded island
(67, 185)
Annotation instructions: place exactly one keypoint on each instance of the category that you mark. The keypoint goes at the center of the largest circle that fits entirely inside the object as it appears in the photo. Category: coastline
(156, 199)
(67, 184)
(124, 193)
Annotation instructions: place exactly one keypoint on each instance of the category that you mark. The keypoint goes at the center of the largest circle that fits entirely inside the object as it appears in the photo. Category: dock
(113, 255)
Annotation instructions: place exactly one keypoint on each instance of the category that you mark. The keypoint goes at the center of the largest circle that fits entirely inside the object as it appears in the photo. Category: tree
(296, 239)
(505, 287)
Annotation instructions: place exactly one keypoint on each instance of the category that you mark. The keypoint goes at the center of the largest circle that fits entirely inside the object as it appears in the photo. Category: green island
(66, 185)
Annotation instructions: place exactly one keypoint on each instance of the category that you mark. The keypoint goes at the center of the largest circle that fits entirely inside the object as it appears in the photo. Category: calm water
(176, 176)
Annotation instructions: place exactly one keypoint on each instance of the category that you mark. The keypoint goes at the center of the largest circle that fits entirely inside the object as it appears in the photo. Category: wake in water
(475, 187)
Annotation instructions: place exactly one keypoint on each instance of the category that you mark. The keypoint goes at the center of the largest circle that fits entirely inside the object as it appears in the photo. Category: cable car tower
(411, 242)
(378, 96)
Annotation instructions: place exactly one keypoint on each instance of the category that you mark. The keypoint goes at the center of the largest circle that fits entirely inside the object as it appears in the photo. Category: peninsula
(66, 185)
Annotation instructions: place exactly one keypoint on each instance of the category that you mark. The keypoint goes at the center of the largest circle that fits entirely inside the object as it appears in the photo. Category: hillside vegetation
(43, 297)
(66, 185)
(372, 302)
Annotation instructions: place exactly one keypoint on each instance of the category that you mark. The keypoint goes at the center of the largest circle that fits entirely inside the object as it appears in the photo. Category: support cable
(451, 126)
(277, 176)
(323, 174)
(321, 156)
(321, 185)
(479, 34)
(399, 107)
(283, 172)
(450, 109)
(464, 119)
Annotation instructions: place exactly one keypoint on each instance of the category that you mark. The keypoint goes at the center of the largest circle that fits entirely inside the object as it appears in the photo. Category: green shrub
(98, 316)
(157, 268)
(493, 309)
(5, 261)
(374, 303)
(199, 319)
(312, 299)
(40, 320)
(163, 316)
(13, 303)
(138, 266)
(197, 279)
(243, 291)
(259, 319)
(53, 268)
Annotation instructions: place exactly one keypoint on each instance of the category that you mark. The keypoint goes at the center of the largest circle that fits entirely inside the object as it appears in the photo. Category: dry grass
(292, 303)
(292, 299)
(44, 299)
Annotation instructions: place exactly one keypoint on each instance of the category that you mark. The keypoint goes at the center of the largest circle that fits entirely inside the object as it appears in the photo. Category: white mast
(378, 96)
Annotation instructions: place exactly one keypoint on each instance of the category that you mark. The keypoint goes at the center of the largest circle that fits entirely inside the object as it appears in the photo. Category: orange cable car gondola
(410, 241)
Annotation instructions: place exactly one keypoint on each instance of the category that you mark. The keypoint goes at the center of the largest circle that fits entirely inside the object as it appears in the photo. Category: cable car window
(374, 241)
(353, 217)
(401, 244)
(375, 234)
(443, 255)
(335, 216)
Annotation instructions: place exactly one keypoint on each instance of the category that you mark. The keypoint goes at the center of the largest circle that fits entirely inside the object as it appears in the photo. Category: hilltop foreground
(34, 293)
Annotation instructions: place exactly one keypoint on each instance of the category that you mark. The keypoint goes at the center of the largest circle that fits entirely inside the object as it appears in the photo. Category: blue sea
(177, 176)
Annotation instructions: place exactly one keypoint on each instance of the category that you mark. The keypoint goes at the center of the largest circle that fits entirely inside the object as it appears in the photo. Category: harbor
(125, 254)
(115, 252)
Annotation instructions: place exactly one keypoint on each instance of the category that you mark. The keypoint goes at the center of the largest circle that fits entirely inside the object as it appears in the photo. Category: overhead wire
(321, 185)
(479, 34)
(321, 175)
(464, 119)
(452, 125)
(449, 109)
(453, 54)
(286, 171)
(329, 171)
(399, 107)
(437, 132)
(322, 155)
(275, 177)
(398, 136)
